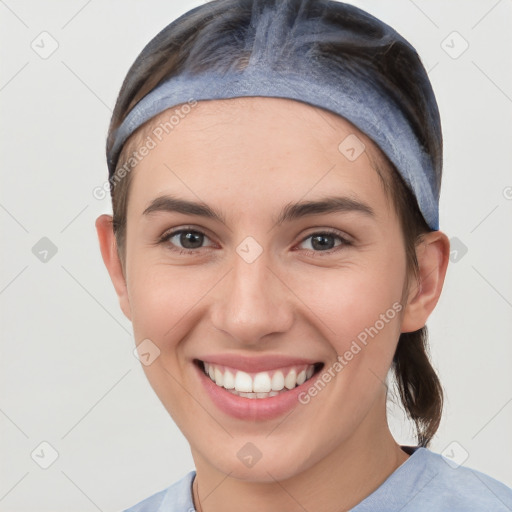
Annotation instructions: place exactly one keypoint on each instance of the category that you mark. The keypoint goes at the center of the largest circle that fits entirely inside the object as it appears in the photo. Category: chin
(262, 460)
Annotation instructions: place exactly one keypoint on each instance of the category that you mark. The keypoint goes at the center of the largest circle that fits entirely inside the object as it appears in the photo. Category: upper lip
(255, 364)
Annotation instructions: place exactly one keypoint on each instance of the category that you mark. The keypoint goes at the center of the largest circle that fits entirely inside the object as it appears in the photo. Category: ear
(433, 254)
(108, 247)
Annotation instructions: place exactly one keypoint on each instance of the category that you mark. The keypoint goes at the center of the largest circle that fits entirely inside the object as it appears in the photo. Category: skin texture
(248, 158)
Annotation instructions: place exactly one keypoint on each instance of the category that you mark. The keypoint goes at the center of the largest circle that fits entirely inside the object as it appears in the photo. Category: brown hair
(418, 385)
(208, 37)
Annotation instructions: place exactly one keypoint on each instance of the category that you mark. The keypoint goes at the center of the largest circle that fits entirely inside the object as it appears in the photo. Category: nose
(252, 302)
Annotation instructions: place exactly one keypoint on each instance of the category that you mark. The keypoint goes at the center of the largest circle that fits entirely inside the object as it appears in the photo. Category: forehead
(258, 145)
(258, 115)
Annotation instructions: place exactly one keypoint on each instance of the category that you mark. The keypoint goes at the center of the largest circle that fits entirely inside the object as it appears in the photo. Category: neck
(338, 482)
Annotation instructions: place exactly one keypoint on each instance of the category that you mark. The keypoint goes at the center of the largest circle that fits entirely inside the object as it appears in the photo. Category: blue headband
(300, 78)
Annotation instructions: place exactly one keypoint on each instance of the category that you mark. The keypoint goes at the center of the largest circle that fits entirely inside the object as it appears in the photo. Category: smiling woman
(278, 241)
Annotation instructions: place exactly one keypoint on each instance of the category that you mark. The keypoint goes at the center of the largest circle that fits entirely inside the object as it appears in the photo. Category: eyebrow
(290, 212)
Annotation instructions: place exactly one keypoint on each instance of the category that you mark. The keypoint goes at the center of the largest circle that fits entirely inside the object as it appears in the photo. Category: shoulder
(461, 488)
(175, 498)
(427, 481)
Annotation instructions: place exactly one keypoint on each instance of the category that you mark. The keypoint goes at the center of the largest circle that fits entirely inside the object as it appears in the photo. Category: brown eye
(185, 240)
(190, 239)
(324, 241)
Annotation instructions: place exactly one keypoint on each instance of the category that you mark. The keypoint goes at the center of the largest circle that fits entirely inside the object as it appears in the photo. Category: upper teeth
(262, 382)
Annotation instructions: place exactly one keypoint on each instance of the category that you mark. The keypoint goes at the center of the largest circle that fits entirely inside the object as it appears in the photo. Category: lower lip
(253, 409)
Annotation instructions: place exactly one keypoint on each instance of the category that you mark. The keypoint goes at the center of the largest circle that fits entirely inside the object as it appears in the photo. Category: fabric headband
(310, 81)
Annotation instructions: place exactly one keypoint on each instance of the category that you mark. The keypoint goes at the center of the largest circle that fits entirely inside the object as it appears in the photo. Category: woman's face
(269, 287)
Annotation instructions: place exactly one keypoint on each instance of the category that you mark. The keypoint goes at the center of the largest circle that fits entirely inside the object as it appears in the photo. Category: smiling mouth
(264, 384)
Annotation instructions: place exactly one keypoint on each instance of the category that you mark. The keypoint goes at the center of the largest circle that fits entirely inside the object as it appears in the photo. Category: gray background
(68, 374)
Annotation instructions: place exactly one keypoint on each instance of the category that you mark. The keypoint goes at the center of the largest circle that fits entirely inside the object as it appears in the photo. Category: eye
(184, 241)
(190, 241)
(325, 241)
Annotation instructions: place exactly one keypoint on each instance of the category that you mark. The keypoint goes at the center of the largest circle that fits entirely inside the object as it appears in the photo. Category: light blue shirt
(424, 482)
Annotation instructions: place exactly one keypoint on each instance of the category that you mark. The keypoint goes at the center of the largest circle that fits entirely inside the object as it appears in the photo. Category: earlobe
(433, 254)
(109, 253)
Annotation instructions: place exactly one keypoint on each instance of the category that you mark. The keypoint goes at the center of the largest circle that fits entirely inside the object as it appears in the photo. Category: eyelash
(332, 232)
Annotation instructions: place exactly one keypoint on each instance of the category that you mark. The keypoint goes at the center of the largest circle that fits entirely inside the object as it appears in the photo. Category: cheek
(162, 299)
(359, 308)
(165, 304)
(353, 298)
